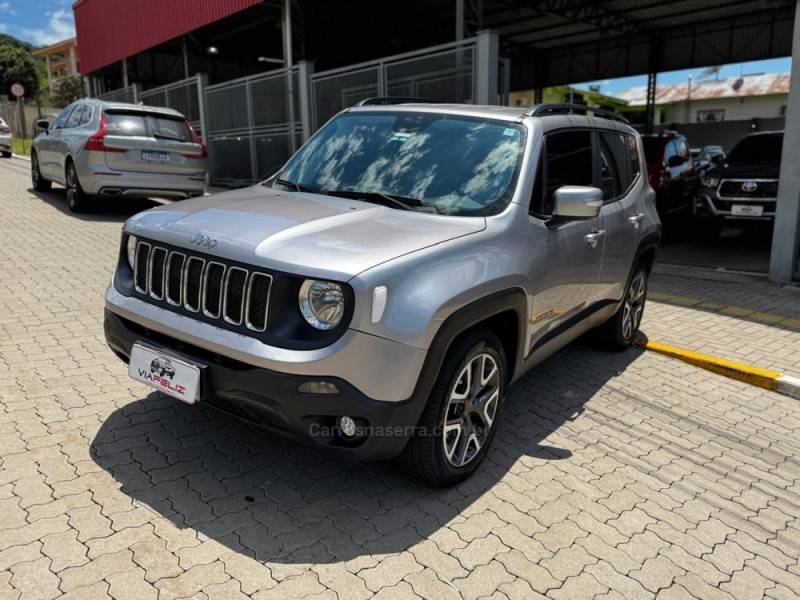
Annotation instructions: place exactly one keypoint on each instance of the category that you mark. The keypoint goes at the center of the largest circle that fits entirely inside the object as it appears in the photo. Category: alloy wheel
(471, 410)
(72, 187)
(634, 305)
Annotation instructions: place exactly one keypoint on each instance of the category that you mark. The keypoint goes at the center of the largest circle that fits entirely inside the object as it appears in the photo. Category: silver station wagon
(104, 150)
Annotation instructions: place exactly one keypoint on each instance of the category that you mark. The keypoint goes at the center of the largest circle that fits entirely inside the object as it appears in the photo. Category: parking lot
(625, 475)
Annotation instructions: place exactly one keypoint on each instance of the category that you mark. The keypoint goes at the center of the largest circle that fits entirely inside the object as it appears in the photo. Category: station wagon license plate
(164, 372)
(155, 156)
(747, 210)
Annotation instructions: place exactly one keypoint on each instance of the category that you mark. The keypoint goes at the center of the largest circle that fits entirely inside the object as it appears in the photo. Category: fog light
(318, 387)
(347, 426)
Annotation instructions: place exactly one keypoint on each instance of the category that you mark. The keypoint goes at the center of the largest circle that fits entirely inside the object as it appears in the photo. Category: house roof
(752, 85)
(57, 47)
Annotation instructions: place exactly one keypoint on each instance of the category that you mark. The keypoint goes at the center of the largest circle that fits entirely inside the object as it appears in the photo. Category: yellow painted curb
(764, 378)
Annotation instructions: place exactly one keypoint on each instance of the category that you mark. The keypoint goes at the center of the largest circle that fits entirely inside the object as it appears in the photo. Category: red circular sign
(17, 89)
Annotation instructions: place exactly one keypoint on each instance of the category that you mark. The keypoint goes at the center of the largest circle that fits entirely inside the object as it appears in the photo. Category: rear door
(147, 142)
(47, 147)
(620, 179)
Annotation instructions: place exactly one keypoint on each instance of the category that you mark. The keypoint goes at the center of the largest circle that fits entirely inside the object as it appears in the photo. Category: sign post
(18, 91)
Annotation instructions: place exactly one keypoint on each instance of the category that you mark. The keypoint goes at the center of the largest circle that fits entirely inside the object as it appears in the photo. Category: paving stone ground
(623, 475)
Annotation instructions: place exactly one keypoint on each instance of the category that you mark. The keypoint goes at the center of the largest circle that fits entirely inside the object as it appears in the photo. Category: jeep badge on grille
(205, 241)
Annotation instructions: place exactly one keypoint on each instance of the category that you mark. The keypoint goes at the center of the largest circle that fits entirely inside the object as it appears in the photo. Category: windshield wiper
(400, 202)
(164, 136)
(297, 187)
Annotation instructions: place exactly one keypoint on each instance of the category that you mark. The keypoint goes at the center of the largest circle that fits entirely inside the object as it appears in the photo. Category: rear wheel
(40, 184)
(6, 154)
(76, 198)
(619, 331)
(458, 424)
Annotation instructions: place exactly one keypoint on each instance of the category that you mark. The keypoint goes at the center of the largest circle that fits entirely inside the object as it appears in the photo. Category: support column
(185, 50)
(305, 70)
(486, 86)
(786, 234)
(124, 72)
(649, 109)
(73, 61)
(286, 25)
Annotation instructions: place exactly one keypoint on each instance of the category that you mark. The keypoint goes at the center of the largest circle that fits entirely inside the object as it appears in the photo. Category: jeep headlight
(709, 181)
(132, 250)
(322, 303)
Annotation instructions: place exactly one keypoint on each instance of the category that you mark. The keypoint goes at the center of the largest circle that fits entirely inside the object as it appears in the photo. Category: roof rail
(389, 100)
(542, 110)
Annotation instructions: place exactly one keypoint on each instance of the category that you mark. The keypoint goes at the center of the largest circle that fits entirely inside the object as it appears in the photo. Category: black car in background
(744, 186)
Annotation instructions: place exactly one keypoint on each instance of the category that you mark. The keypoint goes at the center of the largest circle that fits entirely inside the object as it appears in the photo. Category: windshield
(444, 163)
(757, 149)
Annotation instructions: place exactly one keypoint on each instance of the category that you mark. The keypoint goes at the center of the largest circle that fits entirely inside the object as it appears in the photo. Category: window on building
(710, 116)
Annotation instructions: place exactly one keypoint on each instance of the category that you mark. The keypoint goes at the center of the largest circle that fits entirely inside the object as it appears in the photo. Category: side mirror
(577, 202)
(675, 161)
(42, 125)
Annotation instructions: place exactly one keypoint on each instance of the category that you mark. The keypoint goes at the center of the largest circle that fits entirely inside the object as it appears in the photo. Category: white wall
(736, 109)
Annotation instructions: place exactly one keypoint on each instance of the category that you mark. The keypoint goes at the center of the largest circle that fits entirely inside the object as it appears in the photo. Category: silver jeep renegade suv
(408, 263)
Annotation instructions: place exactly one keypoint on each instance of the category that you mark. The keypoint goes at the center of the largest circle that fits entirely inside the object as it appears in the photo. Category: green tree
(17, 64)
(66, 90)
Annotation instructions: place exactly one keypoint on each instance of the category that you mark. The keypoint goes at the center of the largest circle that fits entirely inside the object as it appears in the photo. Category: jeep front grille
(236, 295)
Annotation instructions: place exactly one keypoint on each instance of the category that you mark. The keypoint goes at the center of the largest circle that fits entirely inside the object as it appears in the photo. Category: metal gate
(445, 73)
(251, 124)
(185, 96)
(128, 94)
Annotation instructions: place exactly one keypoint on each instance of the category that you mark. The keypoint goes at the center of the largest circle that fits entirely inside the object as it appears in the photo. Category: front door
(565, 255)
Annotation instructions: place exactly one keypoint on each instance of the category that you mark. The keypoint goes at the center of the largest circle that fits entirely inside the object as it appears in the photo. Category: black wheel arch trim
(511, 299)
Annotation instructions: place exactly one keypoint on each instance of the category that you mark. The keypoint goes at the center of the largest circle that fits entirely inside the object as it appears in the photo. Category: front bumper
(272, 399)
(708, 203)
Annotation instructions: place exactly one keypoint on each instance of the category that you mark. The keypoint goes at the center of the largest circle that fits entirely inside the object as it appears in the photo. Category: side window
(609, 173)
(61, 119)
(633, 152)
(87, 115)
(567, 160)
(614, 150)
(75, 117)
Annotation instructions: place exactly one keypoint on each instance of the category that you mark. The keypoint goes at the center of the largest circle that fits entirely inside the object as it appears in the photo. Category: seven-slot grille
(234, 294)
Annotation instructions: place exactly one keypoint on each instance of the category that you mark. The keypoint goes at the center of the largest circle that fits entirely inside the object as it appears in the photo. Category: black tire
(40, 184)
(6, 154)
(425, 456)
(620, 330)
(77, 200)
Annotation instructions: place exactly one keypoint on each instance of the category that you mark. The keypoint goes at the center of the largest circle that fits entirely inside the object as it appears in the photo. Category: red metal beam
(110, 30)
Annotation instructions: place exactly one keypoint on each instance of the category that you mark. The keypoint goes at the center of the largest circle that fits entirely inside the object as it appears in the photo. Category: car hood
(308, 234)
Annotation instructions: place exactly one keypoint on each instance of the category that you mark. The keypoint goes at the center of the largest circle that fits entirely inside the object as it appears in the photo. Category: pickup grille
(732, 188)
(235, 295)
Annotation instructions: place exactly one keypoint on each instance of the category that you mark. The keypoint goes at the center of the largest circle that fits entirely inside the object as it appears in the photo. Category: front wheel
(619, 331)
(459, 421)
(76, 198)
(40, 184)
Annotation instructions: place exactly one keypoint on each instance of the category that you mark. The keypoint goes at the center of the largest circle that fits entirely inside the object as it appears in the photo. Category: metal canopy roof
(553, 42)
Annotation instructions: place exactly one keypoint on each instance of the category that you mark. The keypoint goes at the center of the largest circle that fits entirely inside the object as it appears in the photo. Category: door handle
(594, 237)
(636, 219)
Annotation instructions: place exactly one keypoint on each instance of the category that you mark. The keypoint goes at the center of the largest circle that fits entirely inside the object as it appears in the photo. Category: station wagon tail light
(203, 154)
(98, 141)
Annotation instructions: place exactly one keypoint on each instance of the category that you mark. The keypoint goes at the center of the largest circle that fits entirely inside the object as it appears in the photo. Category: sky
(612, 87)
(40, 22)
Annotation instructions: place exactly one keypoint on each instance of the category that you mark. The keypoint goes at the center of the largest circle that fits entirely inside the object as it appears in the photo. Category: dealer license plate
(165, 373)
(154, 156)
(747, 210)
